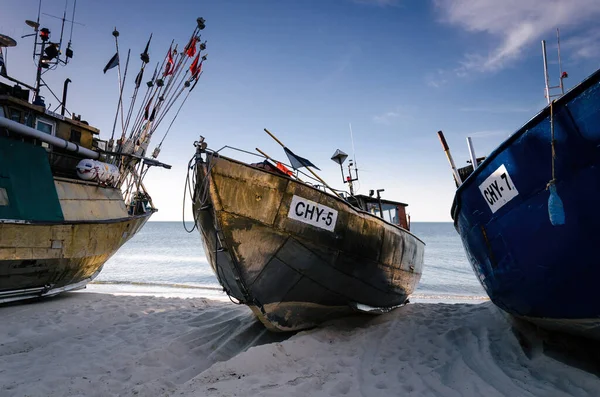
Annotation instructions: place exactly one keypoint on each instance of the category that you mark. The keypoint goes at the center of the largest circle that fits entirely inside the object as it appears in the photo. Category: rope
(190, 185)
(553, 143)
(185, 189)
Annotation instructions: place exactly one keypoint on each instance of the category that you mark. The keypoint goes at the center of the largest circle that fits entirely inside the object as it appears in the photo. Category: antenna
(339, 157)
(352, 139)
(48, 55)
(350, 164)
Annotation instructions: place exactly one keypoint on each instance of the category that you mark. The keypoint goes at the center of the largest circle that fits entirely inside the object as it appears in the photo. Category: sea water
(164, 257)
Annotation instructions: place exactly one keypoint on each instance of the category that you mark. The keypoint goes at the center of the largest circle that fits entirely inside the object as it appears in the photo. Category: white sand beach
(90, 344)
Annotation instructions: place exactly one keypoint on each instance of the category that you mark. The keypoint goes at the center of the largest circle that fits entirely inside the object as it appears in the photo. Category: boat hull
(531, 268)
(39, 260)
(295, 275)
(56, 232)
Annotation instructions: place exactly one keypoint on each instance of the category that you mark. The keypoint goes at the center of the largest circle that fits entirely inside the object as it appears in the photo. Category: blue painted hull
(529, 267)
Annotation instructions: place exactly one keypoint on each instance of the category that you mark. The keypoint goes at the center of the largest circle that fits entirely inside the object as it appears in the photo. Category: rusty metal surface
(291, 271)
(57, 255)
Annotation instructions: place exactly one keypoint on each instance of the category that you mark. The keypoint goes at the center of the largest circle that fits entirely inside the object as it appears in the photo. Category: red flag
(169, 67)
(190, 49)
(196, 67)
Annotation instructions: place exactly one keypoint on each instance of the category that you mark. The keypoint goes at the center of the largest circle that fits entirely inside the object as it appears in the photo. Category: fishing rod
(145, 58)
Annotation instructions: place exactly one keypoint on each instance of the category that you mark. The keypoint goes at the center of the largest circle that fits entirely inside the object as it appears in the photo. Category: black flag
(114, 61)
(144, 55)
(297, 161)
(138, 79)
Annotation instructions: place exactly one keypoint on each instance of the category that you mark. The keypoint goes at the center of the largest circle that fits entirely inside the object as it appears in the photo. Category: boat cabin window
(14, 114)
(390, 212)
(45, 126)
(1, 111)
(75, 136)
(29, 119)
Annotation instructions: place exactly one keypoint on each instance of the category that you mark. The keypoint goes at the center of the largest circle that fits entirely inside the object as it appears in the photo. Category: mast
(563, 75)
(546, 78)
(49, 55)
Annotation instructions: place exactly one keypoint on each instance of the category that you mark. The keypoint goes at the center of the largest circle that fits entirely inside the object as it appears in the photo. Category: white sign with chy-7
(498, 189)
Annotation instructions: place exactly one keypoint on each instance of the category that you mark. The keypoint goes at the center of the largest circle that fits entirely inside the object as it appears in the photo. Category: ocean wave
(160, 258)
(450, 297)
(156, 284)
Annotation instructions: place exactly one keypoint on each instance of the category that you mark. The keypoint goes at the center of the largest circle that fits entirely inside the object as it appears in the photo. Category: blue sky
(398, 71)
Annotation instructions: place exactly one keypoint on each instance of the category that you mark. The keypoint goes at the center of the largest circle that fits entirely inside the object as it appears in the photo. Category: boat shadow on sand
(573, 350)
(140, 345)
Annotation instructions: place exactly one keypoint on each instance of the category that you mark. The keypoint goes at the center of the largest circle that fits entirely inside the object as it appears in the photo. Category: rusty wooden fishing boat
(68, 199)
(295, 254)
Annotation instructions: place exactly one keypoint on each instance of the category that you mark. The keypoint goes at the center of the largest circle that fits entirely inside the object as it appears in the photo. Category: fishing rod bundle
(169, 87)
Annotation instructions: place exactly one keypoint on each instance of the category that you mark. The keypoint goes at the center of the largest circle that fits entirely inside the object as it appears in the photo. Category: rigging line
(66, 110)
(178, 68)
(183, 58)
(171, 102)
(62, 27)
(137, 85)
(185, 188)
(144, 123)
(553, 141)
(155, 88)
(72, 19)
(139, 127)
(116, 35)
(36, 30)
(353, 151)
(121, 96)
(48, 88)
(174, 76)
(130, 111)
(140, 111)
(174, 97)
(173, 85)
(163, 94)
(134, 98)
(175, 117)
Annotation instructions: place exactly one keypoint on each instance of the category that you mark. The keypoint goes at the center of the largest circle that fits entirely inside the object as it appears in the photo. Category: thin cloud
(437, 79)
(395, 115)
(341, 64)
(514, 25)
(585, 47)
(387, 118)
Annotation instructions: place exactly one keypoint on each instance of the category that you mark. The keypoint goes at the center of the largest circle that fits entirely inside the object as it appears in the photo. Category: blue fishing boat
(528, 214)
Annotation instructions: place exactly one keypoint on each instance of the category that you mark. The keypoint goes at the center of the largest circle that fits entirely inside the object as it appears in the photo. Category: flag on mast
(138, 78)
(190, 49)
(195, 67)
(144, 56)
(297, 161)
(114, 61)
(170, 66)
